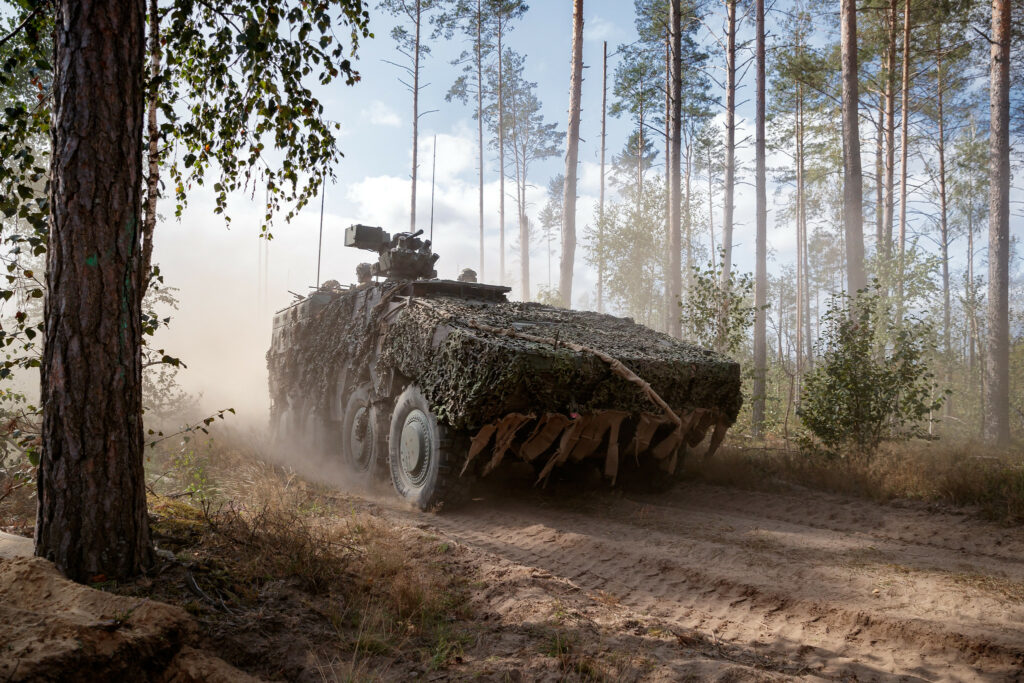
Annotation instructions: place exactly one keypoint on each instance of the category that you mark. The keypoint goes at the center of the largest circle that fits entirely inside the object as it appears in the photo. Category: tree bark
(640, 148)
(153, 152)
(974, 338)
(519, 146)
(711, 208)
(666, 262)
(92, 500)
(904, 116)
(600, 201)
(572, 138)
(801, 242)
(997, 430)
(761, 249)
(880, 243)
(415, 116)
(524, 242)
(688, 209)
(890, 130)
(730, 141)
(480, 123)
(944, 227)
(853, 191)
(675, 189)
(501, 157)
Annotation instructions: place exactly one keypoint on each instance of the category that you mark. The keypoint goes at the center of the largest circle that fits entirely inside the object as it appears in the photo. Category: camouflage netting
(473, 378)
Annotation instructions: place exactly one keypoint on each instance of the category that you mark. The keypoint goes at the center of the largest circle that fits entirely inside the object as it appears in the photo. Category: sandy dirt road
(800, 585)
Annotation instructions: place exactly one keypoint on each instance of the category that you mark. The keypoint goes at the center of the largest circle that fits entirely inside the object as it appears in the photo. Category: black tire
(358, 441)
(420, 454)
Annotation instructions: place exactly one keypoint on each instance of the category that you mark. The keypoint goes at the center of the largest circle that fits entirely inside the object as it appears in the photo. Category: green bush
(872, 383)
(717, 314)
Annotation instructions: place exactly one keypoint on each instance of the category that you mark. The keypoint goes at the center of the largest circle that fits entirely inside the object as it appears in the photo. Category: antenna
(433, 171)
(320, 240)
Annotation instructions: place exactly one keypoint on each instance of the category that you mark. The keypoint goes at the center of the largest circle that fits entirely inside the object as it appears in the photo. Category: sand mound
(52, 628)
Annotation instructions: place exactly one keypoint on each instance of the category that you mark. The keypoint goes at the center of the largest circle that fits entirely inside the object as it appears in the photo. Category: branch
(22, 25)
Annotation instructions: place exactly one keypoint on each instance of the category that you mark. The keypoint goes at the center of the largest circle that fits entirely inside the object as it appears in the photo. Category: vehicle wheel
(419, 452)
(357, 435)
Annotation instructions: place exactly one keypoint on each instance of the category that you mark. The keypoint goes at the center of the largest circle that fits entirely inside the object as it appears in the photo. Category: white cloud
(598, 29)
(456, 155)
(384, 200)
(381, 114)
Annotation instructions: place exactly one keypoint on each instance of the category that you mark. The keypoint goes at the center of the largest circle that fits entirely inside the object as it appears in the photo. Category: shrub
(718, 314)
(872, 382)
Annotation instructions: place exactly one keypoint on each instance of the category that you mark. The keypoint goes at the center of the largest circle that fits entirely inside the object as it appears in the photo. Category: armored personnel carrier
(431, 382)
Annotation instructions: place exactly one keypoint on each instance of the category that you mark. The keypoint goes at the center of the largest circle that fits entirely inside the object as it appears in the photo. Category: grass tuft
(963, 474)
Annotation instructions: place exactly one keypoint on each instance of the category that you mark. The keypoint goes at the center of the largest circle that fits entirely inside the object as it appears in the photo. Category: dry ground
(801, 585)
(290, 580)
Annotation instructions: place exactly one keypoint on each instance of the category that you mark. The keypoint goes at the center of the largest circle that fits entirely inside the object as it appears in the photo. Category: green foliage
(872, 382)
(235, 84)
(632, 249)
(549, 296)
(527, 137)
(163, 398)
(718, 314)
(24, 123)
(24, 181)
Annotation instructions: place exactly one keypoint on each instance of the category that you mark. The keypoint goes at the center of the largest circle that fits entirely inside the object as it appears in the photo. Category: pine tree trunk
(524, 248)
(688, 210)
(674, 160)
(800, 241)
(640, 149)
(853, 194)
(761, 249)
(803, 290)
(730, 141)
(711, 208)
(501, 159)
(944, 229)
(806, 303)
(998, 348)
(600, 210)
(480, 123)
(890, 130)
(666, 317)
(524, 226)
(415, 117)
(92, 500)
(972, 323)
(904, 117)
(880, 244)
(572, 139)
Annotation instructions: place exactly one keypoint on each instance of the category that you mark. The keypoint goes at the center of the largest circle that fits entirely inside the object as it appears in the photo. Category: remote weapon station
(433, 382)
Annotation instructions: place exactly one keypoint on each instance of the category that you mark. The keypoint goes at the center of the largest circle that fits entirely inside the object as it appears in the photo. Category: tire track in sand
(765, 571)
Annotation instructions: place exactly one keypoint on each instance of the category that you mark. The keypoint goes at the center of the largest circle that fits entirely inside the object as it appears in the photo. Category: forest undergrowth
(286, 579)
(964, 474)
(291, 579)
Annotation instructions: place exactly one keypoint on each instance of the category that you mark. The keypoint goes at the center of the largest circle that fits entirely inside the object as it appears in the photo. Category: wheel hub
(415, 446)
(359, 444)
